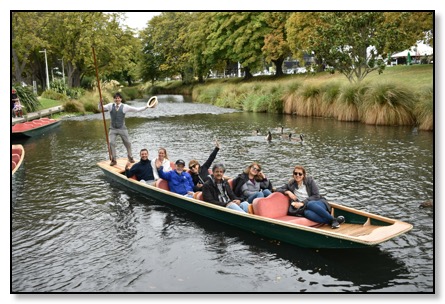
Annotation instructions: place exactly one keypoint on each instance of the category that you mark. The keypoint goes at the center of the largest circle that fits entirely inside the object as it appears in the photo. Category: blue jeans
(264, 193)
(243, 207)
(316, 211)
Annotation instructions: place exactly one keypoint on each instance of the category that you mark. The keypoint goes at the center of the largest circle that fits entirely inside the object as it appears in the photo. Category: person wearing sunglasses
(252, 183)
(201, 173)
(305, 199)
(216, 190)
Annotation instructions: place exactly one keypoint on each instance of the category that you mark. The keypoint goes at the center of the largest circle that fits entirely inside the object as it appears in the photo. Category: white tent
(420, 49)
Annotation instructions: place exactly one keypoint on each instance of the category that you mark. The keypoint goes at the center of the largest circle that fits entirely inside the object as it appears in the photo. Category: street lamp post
(63, 70)
(46, 64)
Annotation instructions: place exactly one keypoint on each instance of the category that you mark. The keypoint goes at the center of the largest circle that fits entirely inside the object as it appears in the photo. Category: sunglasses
(256, 169)
(298, 173)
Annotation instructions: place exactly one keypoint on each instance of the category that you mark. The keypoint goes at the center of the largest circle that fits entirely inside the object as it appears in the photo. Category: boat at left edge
(17, 156)
(34, 127)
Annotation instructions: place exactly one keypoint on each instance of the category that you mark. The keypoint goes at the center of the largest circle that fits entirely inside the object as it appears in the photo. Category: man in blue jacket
(179, 181)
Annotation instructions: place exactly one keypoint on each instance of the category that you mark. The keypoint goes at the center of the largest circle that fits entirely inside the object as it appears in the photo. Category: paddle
(101, 104)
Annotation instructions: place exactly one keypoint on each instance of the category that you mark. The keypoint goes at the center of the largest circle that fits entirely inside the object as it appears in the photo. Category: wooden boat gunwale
(22, 157)
(303, 236)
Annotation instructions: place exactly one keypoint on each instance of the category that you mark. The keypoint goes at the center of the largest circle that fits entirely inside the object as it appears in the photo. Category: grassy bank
(402, 95)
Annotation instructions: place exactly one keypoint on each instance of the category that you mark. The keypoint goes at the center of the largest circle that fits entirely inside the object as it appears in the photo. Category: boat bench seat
(162, 184)
(13, 164)
(275, 206)
(16, 151)
(15, 158)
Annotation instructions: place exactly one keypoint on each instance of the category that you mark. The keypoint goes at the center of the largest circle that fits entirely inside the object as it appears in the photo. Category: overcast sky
(138, 20)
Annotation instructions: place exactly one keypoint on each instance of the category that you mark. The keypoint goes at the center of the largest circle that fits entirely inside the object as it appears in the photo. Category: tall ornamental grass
(387, 103)
(424, 109)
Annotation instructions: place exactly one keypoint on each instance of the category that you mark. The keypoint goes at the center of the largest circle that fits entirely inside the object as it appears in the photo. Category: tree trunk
(279, 66)
(247, 74)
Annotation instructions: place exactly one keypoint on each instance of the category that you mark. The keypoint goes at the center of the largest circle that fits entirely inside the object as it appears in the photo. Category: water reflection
(73, 230)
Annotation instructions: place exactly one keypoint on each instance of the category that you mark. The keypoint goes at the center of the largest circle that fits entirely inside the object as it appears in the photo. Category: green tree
(25, 43)
(276, 47)
(238, 37)
(353, 43)
(166, 34)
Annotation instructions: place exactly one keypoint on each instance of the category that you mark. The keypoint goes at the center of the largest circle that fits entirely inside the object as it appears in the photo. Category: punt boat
(269, 218)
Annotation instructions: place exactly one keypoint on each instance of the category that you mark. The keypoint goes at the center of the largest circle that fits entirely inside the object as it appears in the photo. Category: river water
(73, 230)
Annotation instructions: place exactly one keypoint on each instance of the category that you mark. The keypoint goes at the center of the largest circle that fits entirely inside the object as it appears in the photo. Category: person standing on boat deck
(305, 199)
(201, 173)
(179, 181)
(252, 183)
(216, 190)
(142, 170)
(117, 115)
(165, 162)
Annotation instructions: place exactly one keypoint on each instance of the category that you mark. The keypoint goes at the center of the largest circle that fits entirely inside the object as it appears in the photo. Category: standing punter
(117, 114)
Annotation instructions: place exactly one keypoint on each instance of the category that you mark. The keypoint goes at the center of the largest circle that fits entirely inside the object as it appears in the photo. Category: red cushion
(230, 181)
(162, 184)
(273, 206)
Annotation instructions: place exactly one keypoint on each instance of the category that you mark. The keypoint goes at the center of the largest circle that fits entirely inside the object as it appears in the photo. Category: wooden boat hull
(34, 127)
(17, 155)
(365, 229)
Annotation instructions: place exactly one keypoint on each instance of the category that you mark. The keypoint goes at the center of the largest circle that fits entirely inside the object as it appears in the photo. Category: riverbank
(402, 95)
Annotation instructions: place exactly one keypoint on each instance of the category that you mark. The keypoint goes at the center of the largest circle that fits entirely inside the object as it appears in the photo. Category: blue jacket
(178, 183)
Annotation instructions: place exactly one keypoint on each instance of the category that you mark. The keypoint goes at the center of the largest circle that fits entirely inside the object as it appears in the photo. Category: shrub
(51, 94)
(74, 106)
(27, 98)
(348, 101)
(387, 103)
(424, 109)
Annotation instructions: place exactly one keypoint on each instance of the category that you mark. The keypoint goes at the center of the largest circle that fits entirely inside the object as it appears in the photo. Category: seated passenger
(18, 112)
(179, 181)
(165, 162)
(201, 173)
(216, 190)
(305, 199)
(252, 183)
(143, 169)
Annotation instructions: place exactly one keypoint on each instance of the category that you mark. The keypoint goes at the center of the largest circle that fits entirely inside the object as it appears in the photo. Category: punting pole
(101, 104)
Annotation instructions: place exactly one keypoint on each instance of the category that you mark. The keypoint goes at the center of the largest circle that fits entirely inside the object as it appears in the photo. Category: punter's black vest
(117, 117)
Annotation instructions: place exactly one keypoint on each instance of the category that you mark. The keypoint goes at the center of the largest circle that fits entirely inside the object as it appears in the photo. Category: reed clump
(424, 109)
(386, 103)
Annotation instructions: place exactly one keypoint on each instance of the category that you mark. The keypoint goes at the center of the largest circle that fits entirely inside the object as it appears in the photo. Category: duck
(256, 132)
(269, 136)
(426, 204)
(300, 139)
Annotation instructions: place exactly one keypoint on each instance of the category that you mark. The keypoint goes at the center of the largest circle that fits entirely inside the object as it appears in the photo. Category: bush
(27, 98)
(74, 106)
(51, 94)
(387, 103)
(424, 109)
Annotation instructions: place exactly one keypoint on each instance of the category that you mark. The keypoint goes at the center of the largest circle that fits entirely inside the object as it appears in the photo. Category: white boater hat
(152, 102)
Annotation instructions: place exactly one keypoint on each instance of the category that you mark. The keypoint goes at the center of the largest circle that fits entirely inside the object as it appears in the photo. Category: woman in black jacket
(201, 173)
(217, 191)
(306, 200)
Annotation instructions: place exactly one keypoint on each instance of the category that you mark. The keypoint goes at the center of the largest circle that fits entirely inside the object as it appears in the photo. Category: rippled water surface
(73, 230)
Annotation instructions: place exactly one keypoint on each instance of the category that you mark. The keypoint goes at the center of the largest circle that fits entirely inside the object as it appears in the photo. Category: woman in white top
(165, 162)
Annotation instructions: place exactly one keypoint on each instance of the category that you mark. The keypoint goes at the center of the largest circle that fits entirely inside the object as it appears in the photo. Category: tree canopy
(190, 44)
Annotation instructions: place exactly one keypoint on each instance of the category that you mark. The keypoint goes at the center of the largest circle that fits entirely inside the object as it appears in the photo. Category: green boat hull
(36, 131)
(302, 236)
